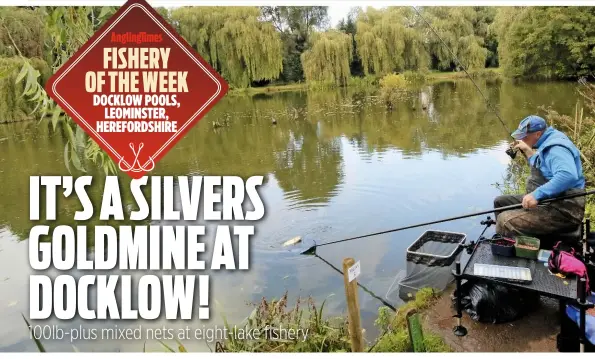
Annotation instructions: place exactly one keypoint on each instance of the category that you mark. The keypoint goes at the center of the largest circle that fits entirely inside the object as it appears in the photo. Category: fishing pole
(314, 245)
(510, 150)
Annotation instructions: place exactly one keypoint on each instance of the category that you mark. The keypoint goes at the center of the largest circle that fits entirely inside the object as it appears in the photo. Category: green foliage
(388, 40)
(505, 17)
(393, 81)
(487, 74)
(395, 336)
(233, 40)
(455, 25)
(392, 89)
(329, 58)
(484, 18)
(67, 29)
(414, 76)
(295, 24)
(299, 20)
(363, 82)
(546, 42)
(321, 85)
(21, 32)
(322, 334)
(13, 106)
(331, 335)
(348, 26)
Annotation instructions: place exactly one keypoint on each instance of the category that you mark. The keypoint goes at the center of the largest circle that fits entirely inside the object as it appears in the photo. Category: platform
(543, 282)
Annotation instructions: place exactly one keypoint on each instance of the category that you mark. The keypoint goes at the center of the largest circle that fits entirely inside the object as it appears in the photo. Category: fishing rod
(510, 151)
(312, 244)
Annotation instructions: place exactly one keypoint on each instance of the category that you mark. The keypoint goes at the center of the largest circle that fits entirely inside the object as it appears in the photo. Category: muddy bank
(536, 332)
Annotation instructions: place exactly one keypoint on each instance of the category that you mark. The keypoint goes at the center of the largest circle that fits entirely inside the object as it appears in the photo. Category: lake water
(337, 165)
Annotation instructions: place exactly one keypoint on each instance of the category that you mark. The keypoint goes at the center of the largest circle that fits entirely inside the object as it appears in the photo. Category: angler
(556, 170)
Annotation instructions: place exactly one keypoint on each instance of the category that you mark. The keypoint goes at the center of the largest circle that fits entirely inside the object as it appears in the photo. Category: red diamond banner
(136, 87)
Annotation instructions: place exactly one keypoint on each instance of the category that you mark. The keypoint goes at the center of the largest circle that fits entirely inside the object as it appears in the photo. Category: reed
(580, 127)
(323, 334)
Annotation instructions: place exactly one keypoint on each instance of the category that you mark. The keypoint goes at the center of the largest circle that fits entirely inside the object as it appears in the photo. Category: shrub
(392, 89)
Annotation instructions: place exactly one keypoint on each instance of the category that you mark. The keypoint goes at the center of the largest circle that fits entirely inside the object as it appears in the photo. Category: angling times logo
(144, 87)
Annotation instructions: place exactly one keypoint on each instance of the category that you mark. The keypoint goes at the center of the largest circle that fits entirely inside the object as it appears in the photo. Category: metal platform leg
(582, 297)
(585, 235)
(459, 330)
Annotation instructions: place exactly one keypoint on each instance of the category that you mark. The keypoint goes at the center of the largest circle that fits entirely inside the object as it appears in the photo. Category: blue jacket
(560, 163)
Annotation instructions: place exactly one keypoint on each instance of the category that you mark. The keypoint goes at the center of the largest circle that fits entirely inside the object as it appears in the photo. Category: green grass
(323, 334)
(395, 328)
(489, 74)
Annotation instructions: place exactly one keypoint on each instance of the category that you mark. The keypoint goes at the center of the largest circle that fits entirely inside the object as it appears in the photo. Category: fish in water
(292, 241)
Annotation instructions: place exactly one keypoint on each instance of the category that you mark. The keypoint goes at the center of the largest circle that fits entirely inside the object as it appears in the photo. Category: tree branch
(12, 40)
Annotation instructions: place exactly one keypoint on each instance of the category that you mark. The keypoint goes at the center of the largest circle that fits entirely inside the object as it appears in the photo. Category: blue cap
(529, 124)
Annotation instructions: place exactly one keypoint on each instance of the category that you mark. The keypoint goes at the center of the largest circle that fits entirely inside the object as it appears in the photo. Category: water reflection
(336, 165)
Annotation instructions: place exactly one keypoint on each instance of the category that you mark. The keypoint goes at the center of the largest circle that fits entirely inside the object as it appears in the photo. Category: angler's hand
(529, 201)
(528, 151)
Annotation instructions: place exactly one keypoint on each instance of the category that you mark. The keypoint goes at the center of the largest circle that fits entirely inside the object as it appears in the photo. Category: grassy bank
(317, 333)
(331, 334)
(370, 81)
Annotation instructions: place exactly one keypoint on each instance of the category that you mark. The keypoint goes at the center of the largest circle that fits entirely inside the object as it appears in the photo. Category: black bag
(494, 303)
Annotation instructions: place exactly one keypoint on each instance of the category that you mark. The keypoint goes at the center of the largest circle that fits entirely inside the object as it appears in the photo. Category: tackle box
(503, 246)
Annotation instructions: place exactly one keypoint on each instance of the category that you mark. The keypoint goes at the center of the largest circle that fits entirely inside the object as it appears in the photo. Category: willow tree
(455, 25)
(234, 41)
(21, 30)
(388, 40)
(66, 30)
(329, 58)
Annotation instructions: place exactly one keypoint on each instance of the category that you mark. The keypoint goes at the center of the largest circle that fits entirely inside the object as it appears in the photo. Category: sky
(338, 12)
